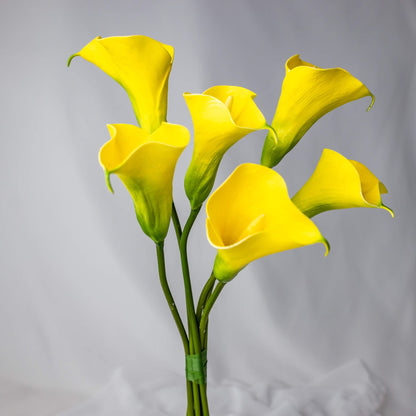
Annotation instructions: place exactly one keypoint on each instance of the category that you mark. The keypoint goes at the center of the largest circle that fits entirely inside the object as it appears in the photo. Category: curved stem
(190, 308)
(208, 306)
(205, 294)
(168, 295)
(175, 314)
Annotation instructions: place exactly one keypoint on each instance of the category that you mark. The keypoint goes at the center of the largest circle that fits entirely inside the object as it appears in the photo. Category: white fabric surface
(347, 391)
(79, 293)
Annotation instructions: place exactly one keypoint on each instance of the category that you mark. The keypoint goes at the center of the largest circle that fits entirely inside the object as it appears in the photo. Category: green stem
(204, 399)
(168, 295)
(195, 341)
(190, 399)
(205, 340)
(194, 405)
(175, 314)
(189, 386)
(190, 308)
(195, 389)
(208, 306)
(205, 294)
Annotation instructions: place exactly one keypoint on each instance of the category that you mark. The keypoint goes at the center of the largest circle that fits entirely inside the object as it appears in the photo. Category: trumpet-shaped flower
(141, 65)
(145, 163)
(339, 183)
(250, 216)
(308, 93)
(222, 115)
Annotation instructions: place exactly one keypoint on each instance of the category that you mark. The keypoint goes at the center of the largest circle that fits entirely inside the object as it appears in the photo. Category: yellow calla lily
(339, 183)
(250, 216)
(308, 93)
(221, 115)
(145, 163)
(141, 65)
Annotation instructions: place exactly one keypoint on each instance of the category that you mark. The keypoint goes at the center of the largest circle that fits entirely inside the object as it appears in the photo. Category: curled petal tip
(373, 99)
(387, 209)
(327, 246)
(273, 132)
(70, 59)
(111, 129)
(108, 182)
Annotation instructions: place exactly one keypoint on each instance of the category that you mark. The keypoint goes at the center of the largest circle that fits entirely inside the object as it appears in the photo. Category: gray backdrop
(79, 295)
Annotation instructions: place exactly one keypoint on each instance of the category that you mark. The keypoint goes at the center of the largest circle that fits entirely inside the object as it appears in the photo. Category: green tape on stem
(196, 367)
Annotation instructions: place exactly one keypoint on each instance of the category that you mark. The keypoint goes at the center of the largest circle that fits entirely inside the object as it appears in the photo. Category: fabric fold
(350, 390)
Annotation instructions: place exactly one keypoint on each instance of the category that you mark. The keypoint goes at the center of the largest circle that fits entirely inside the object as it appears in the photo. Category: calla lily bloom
(308, 93)
(339, 183)
(145, 163)
(141, 65)
(222, 115)
(250, 216)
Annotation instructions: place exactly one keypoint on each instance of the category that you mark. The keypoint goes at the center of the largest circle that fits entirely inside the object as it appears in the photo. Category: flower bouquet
(251, 214)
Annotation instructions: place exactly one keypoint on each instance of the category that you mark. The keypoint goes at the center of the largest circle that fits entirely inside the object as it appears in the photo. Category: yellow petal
(222, 115)
(339, 183)
(141, 65)
(250, 216)
(145, 163)
(308, 93)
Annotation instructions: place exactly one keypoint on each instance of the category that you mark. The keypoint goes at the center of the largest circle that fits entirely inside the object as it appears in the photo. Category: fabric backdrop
(79, 294)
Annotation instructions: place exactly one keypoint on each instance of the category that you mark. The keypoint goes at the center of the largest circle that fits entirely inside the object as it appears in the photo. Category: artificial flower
(250, 216)
(141, 65)
(145, 163)
(308, 92)
(222, 115)
(339, 183)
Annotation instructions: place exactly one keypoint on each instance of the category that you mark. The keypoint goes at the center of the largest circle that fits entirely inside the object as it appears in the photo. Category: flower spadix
(250, 216)
(141, 65)
(308, 93)
(221, 116)
(337, 183)
(145, 163)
